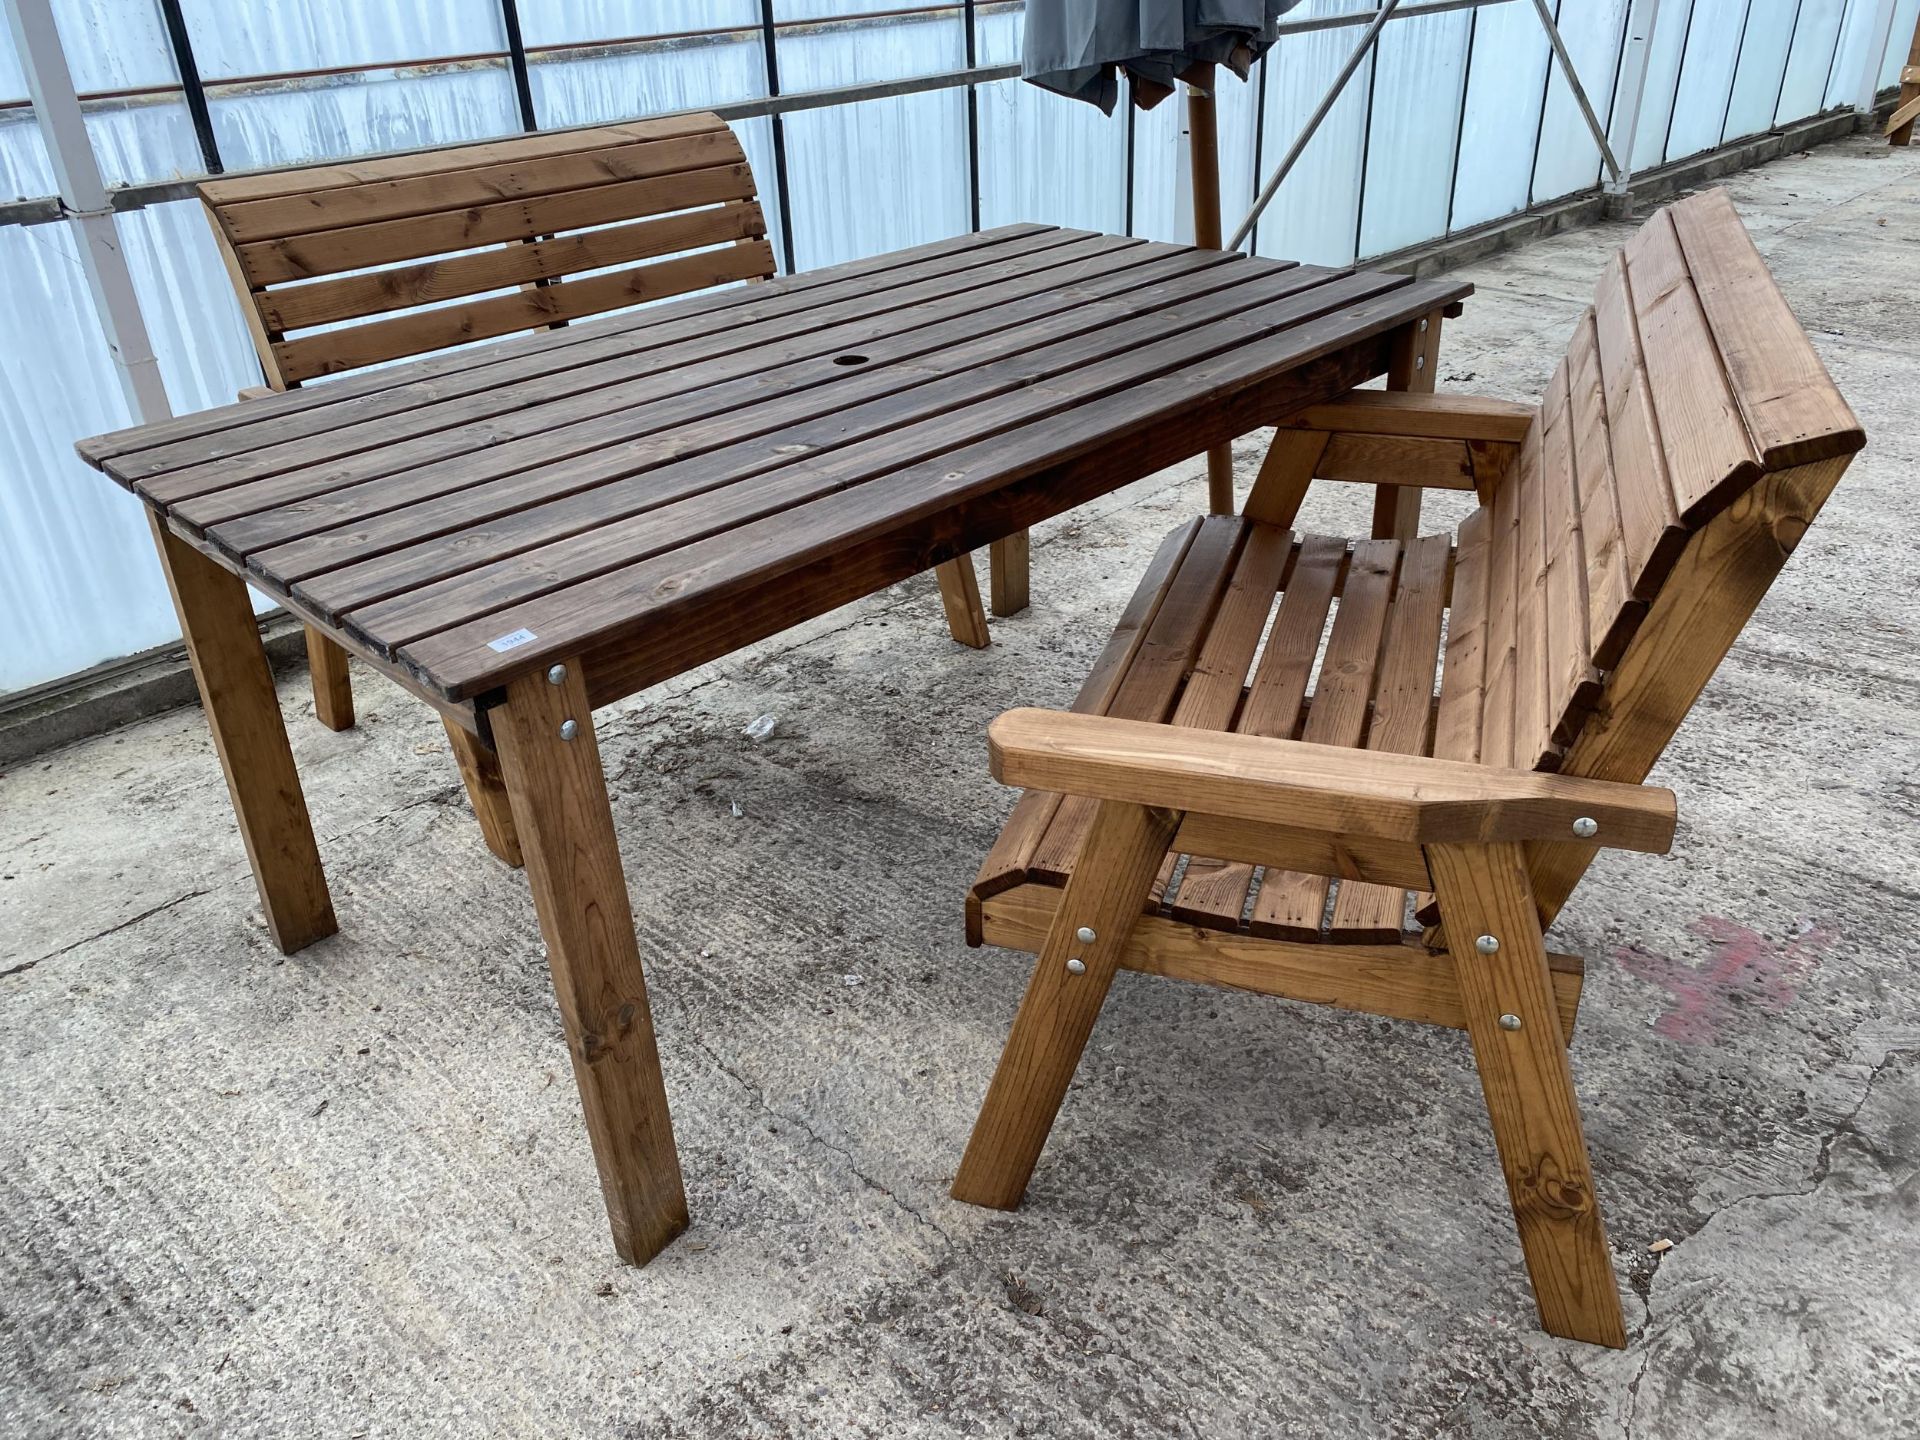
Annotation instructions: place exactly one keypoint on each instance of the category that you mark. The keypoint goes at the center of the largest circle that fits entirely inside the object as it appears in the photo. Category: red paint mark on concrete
(1746, 967)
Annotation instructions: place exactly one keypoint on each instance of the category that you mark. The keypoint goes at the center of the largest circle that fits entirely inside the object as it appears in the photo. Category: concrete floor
(349, 1193)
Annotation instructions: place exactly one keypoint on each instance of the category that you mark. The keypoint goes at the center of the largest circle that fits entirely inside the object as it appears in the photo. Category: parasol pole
(1203, 151)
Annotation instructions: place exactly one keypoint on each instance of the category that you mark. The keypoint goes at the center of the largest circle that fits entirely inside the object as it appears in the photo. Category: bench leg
(1007, 567)
(960, 594)
(243, 712)
(480, 768)
(1106, 894)
(1416, 355)
(332, 685)
(573, 866)
(1517, 1045)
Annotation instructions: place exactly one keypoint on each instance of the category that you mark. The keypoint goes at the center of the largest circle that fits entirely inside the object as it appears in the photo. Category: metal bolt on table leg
(1586, 828)
(1487, 945)
(1085, 935)
(1509, 1022)
(569, 729)
(1076, 966)
(557, 675)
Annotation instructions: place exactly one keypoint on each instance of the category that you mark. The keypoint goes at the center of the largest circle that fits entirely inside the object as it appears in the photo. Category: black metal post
(973, 123)
(517, 61)
(769, 41)
(196, 94)
(1127, 100)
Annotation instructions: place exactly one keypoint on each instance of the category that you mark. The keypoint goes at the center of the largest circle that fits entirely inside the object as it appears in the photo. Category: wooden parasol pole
(1203, 148)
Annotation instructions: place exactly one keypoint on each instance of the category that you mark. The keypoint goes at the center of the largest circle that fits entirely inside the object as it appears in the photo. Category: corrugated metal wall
(1458, 119)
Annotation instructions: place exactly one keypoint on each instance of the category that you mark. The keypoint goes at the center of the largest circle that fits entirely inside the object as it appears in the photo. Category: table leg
(332, 685)
(544, 736)
(480, 769)
(243, 712)
(1416, 354)
(960, 594)
(1007, 562)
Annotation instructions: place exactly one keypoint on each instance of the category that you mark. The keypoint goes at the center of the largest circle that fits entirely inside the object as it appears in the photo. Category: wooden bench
(1487, 706)
(348, 265)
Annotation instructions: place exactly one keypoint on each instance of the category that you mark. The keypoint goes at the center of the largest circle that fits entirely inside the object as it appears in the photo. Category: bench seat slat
(1402, 719)
(1292, 905)
(1212, 892)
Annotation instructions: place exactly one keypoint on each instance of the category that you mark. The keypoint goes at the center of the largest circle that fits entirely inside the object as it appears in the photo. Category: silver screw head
(557, 675)
(1419, 362)
(1586, 828)
(1076, 966)
(569, 729)
(1509, 1022)
(1487, 945)
(1085, 935)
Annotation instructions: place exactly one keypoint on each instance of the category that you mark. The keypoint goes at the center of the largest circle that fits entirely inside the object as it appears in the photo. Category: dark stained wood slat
(1612, 611)
(621, 473)
(509, 481)
(128, 455)
(251, 221)
(1708, 453)
(391, 242)
(1213, 892)
(1007, 863)
(1532, 729)
(1402, 719)
(1463, 675)
(1151, 684)
(296, 307)
(300, 180)
(1572, 682)
(1045, 382)
(1004, 482)
(1291, 905)
(368, 448)
(1211, 697)
(420, 332)
(1792, 411)
(1649, 524)
(1503, 563)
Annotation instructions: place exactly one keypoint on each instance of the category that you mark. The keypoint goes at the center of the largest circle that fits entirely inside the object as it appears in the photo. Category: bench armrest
(1425, 417)
(1319, 788)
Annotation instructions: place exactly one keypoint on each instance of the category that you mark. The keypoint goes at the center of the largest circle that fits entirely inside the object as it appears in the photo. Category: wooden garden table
(522, 531)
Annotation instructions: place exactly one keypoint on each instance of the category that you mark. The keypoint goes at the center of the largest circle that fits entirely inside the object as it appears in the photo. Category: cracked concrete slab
(348, 1192)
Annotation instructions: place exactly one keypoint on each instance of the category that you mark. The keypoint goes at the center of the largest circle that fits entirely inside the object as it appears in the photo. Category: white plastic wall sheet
(1315, 216)
(1816, 31)
(1506, 85)
(1419, 84)
(78, 579)
(1567, 158)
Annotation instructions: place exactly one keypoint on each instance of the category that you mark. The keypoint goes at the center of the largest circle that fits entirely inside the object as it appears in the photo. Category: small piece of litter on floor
(851, 980)
(605, 1287)
(1660, 1246)
(762, 726)
(738, 813)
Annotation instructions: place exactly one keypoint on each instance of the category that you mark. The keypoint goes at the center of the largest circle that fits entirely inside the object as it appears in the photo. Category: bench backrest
(1684, 445)
(386, 242)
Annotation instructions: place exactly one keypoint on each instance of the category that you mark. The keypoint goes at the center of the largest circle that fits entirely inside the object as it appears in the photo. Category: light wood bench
(1486, 710)
(524, 234)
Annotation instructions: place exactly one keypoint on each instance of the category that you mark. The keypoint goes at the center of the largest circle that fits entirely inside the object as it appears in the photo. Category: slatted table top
(658, 488)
